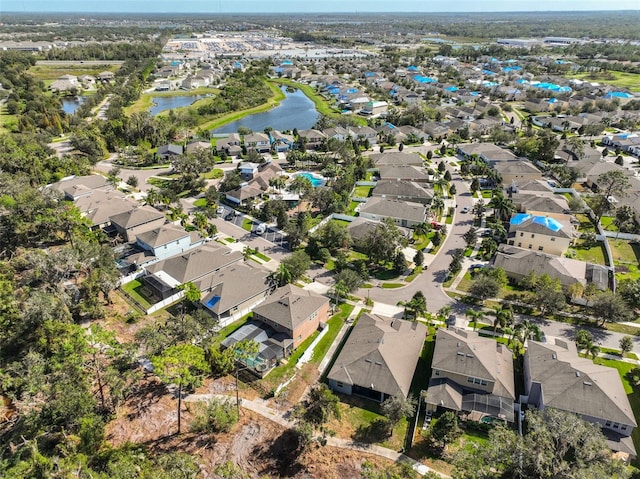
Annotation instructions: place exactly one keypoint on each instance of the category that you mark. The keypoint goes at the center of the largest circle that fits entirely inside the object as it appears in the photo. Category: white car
(261, 229)
(464, 210)
(220, 210)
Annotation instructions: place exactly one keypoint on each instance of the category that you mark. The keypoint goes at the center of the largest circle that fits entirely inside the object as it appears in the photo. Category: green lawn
(230, 240)
(414, 274)
(135, 290)
(585, 226)
(633, 395)
(626, 258)
(618, 79)
(262, 256)
(352, 208)
(595, 254)
(487, 194)
(200, 203)
(607, 223)
(392, 285)
(362, 191)
(334, 324)
(213, 174)
(247, 224)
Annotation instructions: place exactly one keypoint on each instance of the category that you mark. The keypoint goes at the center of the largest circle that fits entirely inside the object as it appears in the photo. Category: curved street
(430, 281)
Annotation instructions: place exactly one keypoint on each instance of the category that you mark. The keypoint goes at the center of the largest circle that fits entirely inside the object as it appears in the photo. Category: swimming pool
(315, 179)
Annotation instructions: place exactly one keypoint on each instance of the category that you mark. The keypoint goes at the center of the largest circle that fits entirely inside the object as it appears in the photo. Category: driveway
(430, 281)
(143, 175)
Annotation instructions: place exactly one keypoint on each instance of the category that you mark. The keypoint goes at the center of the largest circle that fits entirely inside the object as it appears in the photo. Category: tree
(419, 304)
(351, 280)
(437, 205)
(475, 185)
(418, 258)
(485, 287)
(479, 209)
(611, 183)
(334, 236)
(320, 405)
(182, 365)
(549, 297)
(610, 307)
(132, 181)
(381, 243)
(215, 415)
(556, 444)
(445, 429)
(502, 206)
(399, 262)
(503, 317)
(474, 315)
(626, 344)
(470, 236)
(297, 264)
(396, 408)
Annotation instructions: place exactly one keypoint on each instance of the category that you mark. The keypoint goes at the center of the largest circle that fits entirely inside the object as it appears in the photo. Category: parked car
(451, 320)
(229, 216)
(220, 210)
(464, 210)
(261, 229)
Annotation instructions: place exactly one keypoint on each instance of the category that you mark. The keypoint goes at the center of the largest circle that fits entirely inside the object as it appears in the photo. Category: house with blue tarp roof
(540, 233)
(623, 95)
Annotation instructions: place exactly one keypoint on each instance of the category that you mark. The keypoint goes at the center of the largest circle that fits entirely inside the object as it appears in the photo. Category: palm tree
(444, 312)
(528, 330)
(592, 349)
(419, 304)
(408, 309)
(475, 315)
(282, 275)
(442, 185)
(504, 317)
(200, 220)
(437, 205)
(502, 206)
(278, 182)
(422, 229)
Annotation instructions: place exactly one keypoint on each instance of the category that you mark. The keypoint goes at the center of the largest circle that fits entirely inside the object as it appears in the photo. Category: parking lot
(237, 218)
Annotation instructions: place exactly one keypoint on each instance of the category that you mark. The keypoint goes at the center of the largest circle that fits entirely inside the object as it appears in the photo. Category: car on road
(229, 216)
(464, 210)
(261, 229)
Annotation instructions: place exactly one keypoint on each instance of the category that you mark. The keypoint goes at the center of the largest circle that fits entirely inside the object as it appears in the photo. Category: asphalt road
(430, 281)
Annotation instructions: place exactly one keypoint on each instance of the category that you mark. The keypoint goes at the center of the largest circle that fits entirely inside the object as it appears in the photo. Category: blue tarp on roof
(287, 62)
(413, 68)
(618, 94)
(487, 72)
(352, 90)
(489, 83)
(452, 88)
(421, 79)
(545, 221)
(369, 74)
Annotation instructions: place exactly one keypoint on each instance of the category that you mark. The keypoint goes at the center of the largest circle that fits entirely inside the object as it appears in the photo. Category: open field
(630, 81)
(50, 72)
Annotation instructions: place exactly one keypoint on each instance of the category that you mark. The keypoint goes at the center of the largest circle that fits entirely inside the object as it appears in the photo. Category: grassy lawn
(262, 256)
(213, 174)
(247, 224)
(422, 241)
(618, 79)
(355, 255)
(135, 290)
(200, 203)
(362, 191)
(52, 72)
(230, 240)
(465, 282)
(352, 208)
(334, 323)
(626, 257)
(392, 285)
(595, 254)
(585, 226)
(633, 395)
(414, 274)
(607, 223)
(487, 194)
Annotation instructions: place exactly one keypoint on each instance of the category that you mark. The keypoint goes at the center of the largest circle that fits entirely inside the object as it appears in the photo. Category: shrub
(216, 415)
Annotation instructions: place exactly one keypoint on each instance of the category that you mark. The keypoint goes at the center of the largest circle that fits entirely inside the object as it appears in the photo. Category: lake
(295, 111)
(162, 103)
(71, 104)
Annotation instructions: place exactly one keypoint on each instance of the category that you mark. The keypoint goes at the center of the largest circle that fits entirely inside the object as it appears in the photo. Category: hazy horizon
(328, 6)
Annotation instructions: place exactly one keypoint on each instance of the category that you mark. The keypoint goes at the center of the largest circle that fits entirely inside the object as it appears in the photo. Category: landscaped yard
(362, 191)
(632, 394)
(247, 224)
(135, 289)
(626, 256)
(596, 254)
(585, 226)
(200, 203)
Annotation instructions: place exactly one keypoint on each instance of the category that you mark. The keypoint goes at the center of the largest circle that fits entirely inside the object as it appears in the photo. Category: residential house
(403, 191)
(363, 133)
(257, 141)
(231, 292)
(540, 233)
(471, 375)
(517, 171)
(166, 152)
(403, 213)
(65, 83)
(294, 311)
(75, 186)
(231, 145)
(361, 227)
(195, 146)
(106, 76)
(137, 220)
(281, 142)
(405, 173)
(392, 158)
(258, 185)
(541, 204)
(379, 358)
(168, 240)
(313, 138)
(517, 263)
(100, 205)
(162, 278)
(556, 377)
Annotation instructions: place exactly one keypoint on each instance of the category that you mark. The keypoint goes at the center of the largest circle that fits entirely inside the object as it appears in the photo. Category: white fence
(166, 302)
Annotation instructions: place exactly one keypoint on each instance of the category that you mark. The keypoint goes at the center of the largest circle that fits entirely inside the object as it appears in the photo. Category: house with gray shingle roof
(406, 173)
(137, 220)
(393, 158)
(293, 311)
(403, 191)
(379, 358)
(403, 213)
(556, 377)
(472, 375)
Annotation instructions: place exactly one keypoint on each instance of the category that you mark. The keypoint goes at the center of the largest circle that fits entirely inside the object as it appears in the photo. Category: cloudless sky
(298, 6)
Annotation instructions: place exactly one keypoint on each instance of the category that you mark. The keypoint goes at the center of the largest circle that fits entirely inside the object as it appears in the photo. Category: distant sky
(298, 6)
